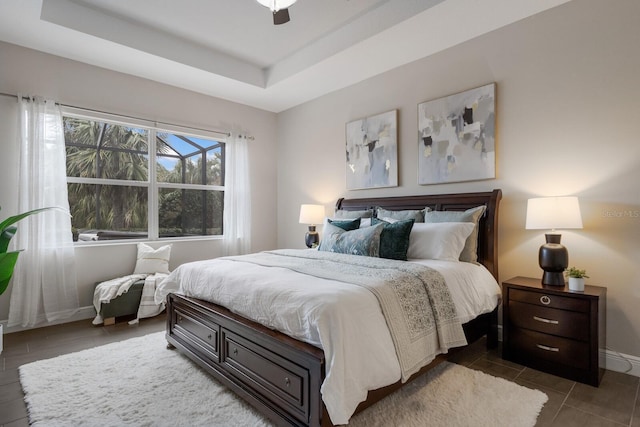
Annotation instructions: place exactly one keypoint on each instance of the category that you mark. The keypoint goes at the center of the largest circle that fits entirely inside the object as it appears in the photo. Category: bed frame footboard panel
(276, 374)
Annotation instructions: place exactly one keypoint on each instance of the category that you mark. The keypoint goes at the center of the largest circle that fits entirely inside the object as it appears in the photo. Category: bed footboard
(276, 374)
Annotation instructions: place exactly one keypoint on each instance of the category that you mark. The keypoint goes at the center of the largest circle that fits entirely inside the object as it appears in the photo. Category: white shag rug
(138, 382)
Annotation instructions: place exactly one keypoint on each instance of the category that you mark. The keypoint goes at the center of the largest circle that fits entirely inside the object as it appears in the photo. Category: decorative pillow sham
(443, 241)
(151, 261)
(470, 251)
(345, 214)
(363, 241)
(345, 224)
(417, 214)
(394, 239)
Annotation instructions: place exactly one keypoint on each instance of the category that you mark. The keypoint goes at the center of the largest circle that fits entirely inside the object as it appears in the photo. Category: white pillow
(151, 260)
(365, 222)
(442, 240)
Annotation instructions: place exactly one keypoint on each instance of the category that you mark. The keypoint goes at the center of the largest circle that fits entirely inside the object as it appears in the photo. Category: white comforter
(344, 320)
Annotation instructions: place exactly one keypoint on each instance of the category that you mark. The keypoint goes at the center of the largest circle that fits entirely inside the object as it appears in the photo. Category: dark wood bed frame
(280, 376)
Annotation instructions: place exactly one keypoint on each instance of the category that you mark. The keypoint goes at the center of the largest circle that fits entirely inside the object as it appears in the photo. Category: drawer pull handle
(179, 319)
(543, 320)
(287, 381)
(235, 351)
(209, 336)
(544, 347)
(545, 300)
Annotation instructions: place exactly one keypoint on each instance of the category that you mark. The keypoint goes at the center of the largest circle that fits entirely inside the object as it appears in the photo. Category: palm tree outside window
(115, 194)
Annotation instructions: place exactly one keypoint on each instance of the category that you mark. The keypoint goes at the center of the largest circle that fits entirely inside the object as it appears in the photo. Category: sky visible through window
(183, 148)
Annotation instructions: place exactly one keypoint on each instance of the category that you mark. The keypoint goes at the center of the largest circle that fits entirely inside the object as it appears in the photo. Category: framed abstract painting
(456, 137)
(372, 151)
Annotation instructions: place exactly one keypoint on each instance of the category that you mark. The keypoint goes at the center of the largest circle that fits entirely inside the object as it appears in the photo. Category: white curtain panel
(237, 197)
(44, 280)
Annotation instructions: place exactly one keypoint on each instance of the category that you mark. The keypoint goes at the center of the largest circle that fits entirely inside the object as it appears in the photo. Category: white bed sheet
(344, 320)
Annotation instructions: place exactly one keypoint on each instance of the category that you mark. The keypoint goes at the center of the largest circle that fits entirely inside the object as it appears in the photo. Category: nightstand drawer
(569, 324)
(548, 300)
(551, 348)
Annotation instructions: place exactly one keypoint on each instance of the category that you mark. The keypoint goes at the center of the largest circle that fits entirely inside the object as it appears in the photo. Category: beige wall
(567, 124)
(69, 82)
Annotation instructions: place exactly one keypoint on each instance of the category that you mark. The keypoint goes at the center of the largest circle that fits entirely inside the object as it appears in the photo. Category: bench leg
(109, 321)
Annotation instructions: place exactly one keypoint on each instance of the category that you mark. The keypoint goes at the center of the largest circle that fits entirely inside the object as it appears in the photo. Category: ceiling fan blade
(281, 17)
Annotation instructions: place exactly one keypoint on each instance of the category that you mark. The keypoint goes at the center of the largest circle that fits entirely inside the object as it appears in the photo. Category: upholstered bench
(125, 305)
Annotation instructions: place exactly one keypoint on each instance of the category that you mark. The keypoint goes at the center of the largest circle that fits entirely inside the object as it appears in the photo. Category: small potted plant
(576, 278)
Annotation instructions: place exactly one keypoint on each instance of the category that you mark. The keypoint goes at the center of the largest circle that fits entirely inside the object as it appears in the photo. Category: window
(137, 181)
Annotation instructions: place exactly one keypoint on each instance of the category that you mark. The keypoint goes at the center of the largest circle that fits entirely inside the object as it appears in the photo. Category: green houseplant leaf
(13, 219)
(5, 237)
(576, 273)
(7, 262)
(8, 259)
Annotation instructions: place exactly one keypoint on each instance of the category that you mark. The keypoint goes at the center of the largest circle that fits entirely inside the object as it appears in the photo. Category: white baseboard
(88, 312)
(622, 363)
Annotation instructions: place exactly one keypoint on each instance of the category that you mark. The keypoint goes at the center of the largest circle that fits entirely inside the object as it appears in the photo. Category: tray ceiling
(231, 49)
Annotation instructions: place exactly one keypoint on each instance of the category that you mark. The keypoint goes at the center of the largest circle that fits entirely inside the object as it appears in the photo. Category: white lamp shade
(276, 5)
(311, 214)
(553, 213)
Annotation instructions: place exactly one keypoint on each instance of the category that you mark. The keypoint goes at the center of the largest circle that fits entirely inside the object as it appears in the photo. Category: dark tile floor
(615, 403)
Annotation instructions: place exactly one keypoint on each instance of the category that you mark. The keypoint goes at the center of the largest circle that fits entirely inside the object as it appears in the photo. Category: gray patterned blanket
(415, 300)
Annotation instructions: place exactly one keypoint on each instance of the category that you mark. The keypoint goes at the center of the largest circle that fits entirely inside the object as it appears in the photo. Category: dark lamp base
(311, 237)
(553, 259)
(553, 278)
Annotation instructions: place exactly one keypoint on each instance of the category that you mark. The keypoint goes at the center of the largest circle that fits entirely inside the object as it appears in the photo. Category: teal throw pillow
(345, 224)
(394, 239)
(363, 241)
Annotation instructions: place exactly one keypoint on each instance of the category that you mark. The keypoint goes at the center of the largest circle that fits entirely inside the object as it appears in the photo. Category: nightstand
(555, 330)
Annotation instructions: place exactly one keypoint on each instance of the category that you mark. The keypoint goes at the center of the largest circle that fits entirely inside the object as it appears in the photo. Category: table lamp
(311, 215)
(552, 213)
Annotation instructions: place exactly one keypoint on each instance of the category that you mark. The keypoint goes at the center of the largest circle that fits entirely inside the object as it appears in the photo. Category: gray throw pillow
(470, 251)
(345, 214)
(417, 215)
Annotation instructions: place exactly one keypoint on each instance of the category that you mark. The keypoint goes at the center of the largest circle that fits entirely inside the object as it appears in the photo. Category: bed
(282, 376)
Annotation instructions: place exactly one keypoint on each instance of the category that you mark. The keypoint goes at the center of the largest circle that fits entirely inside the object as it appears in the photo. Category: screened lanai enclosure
(128, 182)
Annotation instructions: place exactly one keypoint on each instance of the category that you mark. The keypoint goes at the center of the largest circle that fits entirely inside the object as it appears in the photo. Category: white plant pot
(576, 284)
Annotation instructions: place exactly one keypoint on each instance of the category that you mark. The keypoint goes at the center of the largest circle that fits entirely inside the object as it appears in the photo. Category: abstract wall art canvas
(372, 152)
(456, 137)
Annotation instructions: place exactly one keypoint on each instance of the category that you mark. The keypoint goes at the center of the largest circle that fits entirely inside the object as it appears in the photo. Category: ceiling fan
(280, 9)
